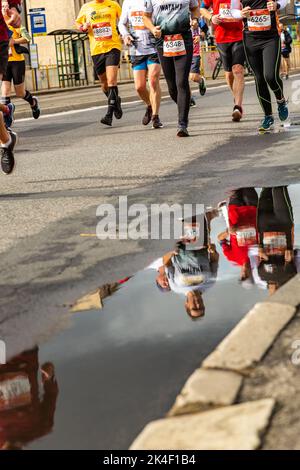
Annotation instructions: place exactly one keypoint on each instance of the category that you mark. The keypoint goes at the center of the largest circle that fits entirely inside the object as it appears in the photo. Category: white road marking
(126, 103)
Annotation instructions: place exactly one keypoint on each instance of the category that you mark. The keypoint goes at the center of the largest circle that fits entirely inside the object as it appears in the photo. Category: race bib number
(246, 236)
(275, 242)
(15, 391)
(260, 20)
(102, 31)
(225, 13)
(137, 20)
(174, 46)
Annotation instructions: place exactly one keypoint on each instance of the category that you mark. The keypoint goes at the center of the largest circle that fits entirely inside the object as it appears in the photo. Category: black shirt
(261, 34)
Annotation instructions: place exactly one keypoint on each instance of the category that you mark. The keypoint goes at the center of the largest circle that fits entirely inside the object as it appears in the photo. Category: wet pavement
(120, 355)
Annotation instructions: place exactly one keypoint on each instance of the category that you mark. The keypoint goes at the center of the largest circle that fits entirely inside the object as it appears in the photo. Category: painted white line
(126, 103)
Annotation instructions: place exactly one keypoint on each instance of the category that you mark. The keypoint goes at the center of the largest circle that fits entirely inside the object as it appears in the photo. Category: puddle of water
(127, 356)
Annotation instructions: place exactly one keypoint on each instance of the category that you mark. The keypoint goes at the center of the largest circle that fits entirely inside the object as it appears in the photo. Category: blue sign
(38, 22)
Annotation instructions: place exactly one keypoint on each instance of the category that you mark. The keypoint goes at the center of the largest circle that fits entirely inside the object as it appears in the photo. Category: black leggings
(264, 57)
(275, 212)
(176, 71)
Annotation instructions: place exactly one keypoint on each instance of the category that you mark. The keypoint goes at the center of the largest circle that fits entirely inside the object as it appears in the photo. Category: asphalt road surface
(67, 165)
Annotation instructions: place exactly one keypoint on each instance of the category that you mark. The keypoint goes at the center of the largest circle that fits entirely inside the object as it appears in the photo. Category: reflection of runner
(24, 416)
(276, 237)
(170, 25)
(99, 19)
(242, 230)
(190, 273)
(144, 59)
(16, 73)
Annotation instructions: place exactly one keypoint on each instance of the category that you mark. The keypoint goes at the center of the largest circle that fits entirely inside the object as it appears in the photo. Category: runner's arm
(123, 23)
(13, 14)
(21, 40)
(80, 22)
(195, 10)
(147, 17)
(205, 10)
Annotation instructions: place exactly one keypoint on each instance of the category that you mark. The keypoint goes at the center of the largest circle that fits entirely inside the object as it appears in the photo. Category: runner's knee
(238, 70)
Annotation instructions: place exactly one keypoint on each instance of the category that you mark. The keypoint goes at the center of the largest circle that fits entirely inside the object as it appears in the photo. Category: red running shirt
(227, 31)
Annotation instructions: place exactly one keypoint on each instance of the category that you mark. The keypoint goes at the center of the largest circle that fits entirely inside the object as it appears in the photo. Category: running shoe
(118, 112)
(237, 113)
(148, 116)
(156, 122)
(36, 112)
(267, 124)
(10, 117)
(283, 111)
(107, 119)
(7, 155)
(182, 132)
(192, 102)
(202, 86)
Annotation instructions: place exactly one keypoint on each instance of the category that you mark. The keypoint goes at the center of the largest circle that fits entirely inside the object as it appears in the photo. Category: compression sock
(29, 98)
(5, 100)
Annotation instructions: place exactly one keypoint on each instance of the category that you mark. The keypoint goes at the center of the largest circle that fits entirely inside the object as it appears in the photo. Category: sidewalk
(246, 394)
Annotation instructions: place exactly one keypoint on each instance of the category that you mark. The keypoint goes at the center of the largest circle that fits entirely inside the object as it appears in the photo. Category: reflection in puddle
(26, 413)
(122, 367)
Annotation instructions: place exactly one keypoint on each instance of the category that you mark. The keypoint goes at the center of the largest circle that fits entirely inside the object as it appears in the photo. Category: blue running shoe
(283, 111)
(266, 124)
(9, 118)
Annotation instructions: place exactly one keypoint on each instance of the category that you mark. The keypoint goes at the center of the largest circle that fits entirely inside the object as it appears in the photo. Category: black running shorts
(15, 72)
(101, 61)
(231, 53)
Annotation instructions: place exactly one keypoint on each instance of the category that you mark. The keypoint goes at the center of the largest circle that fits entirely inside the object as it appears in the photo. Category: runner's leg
(229, 79)
(140, 82)
(182, 68)
(238, 60)
(155, 90)
(168, 67)
(238, 84)
(103, 83)
(5, 92)
(254, 55)
(271, 55)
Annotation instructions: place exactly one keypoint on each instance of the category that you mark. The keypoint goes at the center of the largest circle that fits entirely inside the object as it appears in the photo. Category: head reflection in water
(194, 305)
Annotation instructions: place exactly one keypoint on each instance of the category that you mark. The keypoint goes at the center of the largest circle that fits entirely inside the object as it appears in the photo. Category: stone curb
(248, 342)
(206, 389)
(238, 427)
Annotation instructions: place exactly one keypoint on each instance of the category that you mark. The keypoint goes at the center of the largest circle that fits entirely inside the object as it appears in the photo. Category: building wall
(60, 14)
